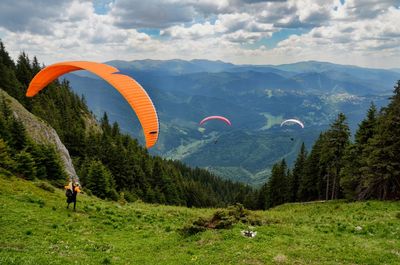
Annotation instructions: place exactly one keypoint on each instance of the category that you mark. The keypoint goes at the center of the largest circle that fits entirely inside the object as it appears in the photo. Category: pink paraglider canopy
(216, 118)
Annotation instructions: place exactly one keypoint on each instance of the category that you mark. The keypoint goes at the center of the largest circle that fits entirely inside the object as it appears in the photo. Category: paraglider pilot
(71, 192)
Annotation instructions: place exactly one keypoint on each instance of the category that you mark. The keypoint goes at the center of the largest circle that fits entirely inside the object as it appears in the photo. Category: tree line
(338, 168)
(109, 163)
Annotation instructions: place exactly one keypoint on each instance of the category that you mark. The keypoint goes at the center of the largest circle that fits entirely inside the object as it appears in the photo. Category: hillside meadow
(36, 228)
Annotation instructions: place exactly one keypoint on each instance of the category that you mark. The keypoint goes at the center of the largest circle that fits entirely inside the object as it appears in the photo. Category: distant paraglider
(131, 90)
(221, 118)
(216, 118)
(292, 121)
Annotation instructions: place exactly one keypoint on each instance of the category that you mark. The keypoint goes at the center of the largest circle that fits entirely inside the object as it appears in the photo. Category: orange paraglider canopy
(131, 90)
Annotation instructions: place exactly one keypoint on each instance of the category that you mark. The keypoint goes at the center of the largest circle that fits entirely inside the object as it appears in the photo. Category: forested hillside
(110, 164)
(256, 99)
(336, 167)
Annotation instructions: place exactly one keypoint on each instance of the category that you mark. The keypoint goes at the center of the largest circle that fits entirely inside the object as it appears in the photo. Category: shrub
(45, 186)
(5, 172)
(87, 191)
(223, 219)
(106, 261)
(121, 199)
(113, 195)
(25, 166)
(129, 196)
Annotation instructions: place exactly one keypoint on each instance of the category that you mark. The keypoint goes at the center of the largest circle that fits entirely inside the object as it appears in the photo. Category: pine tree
(381, 175)
(350, 173)
(5, 58)
(35, 66)
(367, 127)
(54, 169)
(39, 157)
(19, 139)
(297, 174)
(5, 109)
(25, 165)
(99, 180)
(333, 149)
(312, 183)
(263, 196)
(23, 71)
(6, 161)
(105, 124)
(355, 155)
(278, 185)
(5, 120)
(8, 81)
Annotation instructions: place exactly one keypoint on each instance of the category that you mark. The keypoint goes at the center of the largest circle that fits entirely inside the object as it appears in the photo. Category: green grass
(36, 228)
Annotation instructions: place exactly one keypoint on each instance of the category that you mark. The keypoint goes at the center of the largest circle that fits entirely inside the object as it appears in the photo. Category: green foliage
(46, 162)
(121, 199)
(99, 180)
(351, 172)
(380, 175)
(297, 174)
(333, 149)
(25, 165)
(19, 139)
(45, 186)
(223, 219)
(355, 162)
(23, 71)
(368, 168)
(6, 161)
(276, 190)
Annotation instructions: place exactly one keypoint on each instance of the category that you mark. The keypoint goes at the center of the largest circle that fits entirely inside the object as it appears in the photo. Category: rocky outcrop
(41, 132)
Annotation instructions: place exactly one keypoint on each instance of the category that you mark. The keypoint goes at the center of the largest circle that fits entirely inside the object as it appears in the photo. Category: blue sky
(359, 32)
(283, 34)
(102, 7)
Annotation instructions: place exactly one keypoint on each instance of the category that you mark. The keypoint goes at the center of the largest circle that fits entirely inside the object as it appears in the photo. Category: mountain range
(256, 98)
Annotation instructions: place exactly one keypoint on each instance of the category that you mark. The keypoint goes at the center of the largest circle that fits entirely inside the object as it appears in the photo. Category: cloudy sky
(359, 32)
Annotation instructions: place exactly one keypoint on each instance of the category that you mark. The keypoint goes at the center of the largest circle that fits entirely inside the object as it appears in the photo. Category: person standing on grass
(71, 192)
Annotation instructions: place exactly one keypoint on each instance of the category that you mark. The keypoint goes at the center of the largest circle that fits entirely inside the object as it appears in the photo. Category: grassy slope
(36, 228)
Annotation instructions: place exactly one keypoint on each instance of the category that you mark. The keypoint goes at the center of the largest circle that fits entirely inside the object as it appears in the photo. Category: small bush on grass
(121, 199)
(223, 219)
(87, 192)
(45, 186)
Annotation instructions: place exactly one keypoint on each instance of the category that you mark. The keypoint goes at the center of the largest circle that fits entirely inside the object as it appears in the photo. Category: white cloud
(33, 16)
(356, 32)
(80, 34)
(236, 27)
(376, 41)
(150, 13)
(364, 9)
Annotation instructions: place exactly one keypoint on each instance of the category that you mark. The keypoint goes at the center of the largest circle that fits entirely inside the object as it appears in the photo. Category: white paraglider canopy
(292, 121)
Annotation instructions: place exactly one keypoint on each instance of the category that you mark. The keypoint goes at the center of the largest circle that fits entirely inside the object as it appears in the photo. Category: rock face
(41, 132)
